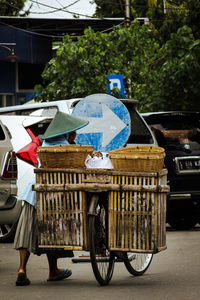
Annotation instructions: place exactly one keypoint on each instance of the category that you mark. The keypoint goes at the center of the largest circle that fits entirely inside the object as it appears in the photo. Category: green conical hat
(63, 123)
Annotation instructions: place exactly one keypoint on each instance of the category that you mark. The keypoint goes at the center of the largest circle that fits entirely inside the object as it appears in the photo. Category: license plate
(188, 164)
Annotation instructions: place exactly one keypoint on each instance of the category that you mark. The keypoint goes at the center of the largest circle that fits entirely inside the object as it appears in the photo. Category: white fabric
(60, 140)
(102, 162)
(29, 195)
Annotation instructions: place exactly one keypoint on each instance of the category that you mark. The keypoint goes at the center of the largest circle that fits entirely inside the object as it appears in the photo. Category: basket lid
(138, 149)
(65, 148)
(63, 123)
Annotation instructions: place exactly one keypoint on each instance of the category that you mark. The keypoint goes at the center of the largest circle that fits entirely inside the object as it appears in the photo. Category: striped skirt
(27, 234)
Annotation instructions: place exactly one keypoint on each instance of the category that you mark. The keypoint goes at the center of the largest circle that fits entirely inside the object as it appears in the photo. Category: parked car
(178, 132)
(41, 109)
(140, 131)
(21, 127)
(19, 139)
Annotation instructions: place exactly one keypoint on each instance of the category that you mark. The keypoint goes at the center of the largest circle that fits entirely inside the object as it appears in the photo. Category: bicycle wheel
(137, 263)
(102, 259)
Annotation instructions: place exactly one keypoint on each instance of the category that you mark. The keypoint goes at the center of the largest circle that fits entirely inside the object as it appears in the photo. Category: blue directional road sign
(116, 81)
(109, 122)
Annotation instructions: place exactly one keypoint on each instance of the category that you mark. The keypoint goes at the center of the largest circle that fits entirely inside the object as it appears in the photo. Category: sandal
(22, 280)
(66, 273)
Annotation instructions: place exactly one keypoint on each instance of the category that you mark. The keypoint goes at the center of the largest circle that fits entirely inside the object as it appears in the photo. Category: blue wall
(7, 77)
(30, 48)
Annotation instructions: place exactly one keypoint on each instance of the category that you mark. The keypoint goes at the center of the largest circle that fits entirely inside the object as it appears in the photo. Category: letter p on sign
(116, 81)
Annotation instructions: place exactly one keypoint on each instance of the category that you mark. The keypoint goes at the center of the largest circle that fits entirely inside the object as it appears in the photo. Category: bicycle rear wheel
(102, 259)
(138, 263)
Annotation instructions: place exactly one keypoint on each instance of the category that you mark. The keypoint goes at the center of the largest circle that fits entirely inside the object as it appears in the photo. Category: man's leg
(22, 240)
(22, 278)
(54, 272)
(24, 256)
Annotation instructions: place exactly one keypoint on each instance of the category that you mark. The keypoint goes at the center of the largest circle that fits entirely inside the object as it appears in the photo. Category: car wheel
(7, 232)
(182, 222)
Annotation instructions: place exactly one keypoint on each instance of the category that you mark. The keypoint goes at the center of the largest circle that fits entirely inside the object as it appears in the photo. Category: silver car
(19, 140)
(21, 127)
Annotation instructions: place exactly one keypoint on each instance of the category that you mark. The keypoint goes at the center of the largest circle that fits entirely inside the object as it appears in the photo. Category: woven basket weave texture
(64, 156)
(139, 158)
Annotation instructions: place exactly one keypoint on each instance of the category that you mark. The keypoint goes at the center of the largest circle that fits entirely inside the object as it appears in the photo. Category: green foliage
(11, 7)
(80, 67)
(193, 16)
(166, 16)
(117, 8)
(161, 77)
(139, 8)
(109, 9)
(172, 81)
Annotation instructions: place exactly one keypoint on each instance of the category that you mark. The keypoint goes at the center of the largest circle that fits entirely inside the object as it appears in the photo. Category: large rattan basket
(64, 156)
(140, 158)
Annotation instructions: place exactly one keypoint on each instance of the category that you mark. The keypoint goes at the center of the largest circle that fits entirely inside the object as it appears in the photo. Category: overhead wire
(56, 36)
(116, 3)
(74, 13)
(69, 4)
(176, 8)
(63, 9)
(12, 5)
(31, 32)
(54, 9)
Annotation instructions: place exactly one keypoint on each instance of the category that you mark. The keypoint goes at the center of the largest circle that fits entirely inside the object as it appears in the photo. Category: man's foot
(63, 275)
(22, 279)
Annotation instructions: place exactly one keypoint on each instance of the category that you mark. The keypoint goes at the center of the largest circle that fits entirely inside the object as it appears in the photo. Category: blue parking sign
(116, 81)
(109, 122)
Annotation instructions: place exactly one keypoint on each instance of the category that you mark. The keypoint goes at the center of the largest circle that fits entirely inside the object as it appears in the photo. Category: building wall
(17, 79)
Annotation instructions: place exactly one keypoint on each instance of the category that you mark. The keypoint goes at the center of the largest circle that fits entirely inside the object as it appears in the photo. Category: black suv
(179, 134)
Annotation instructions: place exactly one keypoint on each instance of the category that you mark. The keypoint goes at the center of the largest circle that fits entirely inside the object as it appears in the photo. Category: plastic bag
(101, 162)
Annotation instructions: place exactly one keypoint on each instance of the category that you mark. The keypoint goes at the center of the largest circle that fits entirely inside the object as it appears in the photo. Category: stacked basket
(64, 156)
(140, 158)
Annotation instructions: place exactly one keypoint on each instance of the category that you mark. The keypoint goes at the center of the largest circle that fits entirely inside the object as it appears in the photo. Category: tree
(171, 82)
(161, 77)
(11, 7)
(109, 9)
(166, 16)
(192, 18)
(80, 67)
(117, 8)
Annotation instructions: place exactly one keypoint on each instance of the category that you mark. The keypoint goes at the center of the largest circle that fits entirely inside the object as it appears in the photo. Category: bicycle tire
(102, 260)
(137, 263)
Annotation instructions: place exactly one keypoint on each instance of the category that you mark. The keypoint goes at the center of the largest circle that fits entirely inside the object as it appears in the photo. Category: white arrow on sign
(109, 125)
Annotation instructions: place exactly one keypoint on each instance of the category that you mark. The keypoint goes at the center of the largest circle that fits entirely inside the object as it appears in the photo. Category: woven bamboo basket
(136, 208)
(64, 156)
(140, 158)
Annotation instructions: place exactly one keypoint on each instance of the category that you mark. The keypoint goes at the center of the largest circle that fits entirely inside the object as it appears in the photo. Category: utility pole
(127, 13)
(164, 7)
(163, 4)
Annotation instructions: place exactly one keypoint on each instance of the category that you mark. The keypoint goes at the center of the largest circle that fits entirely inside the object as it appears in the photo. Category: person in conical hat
(62, 130)
(62, 124)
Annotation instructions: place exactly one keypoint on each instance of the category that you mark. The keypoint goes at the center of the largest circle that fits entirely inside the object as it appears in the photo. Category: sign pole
(127, 13)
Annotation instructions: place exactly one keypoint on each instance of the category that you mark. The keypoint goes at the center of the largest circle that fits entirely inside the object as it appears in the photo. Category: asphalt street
(173, 275)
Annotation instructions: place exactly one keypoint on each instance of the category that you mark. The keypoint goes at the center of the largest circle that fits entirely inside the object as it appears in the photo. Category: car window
(140, 134)
(2, 135)
(42, 112)
(176, 130)
(39, 128)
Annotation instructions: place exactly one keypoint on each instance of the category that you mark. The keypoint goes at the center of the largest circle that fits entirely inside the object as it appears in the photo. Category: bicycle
(102, 259)
(116, 216)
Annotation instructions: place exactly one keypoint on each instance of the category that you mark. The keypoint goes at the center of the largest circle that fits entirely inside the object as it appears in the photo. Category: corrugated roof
(60, 27)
